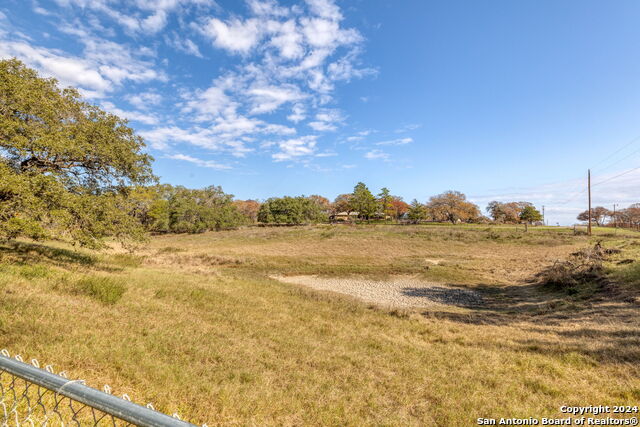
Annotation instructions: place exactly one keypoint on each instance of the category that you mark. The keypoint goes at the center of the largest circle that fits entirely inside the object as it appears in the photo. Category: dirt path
(396, 292)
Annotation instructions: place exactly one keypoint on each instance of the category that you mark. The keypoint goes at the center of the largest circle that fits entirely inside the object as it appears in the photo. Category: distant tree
(362, 201)
(417, 212)
(290, 210)
(248, 208)
(384, 201)
(530, 214)
(65, 165)
(452, 206)
(506, 212)
(322, 202)
(399, 207)
(342, 203)
(598, 215)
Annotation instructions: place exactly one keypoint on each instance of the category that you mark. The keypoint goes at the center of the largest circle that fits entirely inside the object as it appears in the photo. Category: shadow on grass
(592, 328)
(446, 295)
(29, 253)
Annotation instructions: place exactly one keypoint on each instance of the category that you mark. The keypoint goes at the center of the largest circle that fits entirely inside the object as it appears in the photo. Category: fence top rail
(78, 391)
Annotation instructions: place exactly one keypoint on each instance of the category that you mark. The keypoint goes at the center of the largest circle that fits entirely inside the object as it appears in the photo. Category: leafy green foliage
(417, 211)
(165, 208)
(530, 214)
(291, 210)
(65, 165)
(363, 202)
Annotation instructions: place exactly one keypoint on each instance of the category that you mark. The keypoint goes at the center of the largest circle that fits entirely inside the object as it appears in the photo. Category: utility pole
(543, 221)
(589, 189)
(615, 219)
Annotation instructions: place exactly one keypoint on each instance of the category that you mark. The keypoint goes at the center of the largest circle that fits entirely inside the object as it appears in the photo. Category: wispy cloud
(202, 163)
(376, 154)
(399, 141)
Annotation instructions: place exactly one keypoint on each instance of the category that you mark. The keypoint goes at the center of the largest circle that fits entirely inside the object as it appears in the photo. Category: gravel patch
(395, 292)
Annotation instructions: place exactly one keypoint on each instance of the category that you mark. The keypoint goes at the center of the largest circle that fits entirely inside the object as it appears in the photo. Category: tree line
(601, 216)
(70, 170)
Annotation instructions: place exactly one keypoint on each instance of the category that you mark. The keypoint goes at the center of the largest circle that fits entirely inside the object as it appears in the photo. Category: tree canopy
(452, 206)
(65, 165)
(291, 210)
(598, 215)
(362, 201)
(530, 214)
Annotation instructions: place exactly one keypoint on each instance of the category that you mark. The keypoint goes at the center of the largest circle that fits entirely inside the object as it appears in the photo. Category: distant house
(344, 216)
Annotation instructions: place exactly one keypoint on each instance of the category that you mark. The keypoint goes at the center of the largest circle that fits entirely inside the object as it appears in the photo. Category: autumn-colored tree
(248, 208)
(399, 207)
(598, 215)
(362, 201)
(342, 203)
(65, 165)
(452, 206)
(502, 212)
(322, 202)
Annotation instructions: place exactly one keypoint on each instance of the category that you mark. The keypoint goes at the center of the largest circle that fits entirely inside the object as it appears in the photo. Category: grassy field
(196, 325)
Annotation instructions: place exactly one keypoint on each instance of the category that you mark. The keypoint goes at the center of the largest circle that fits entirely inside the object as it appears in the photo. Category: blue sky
(500, 99)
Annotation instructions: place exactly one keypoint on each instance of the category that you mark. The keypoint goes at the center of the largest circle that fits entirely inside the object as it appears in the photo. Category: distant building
(344, 216)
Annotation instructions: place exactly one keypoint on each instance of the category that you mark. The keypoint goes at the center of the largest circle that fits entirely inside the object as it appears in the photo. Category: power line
(637, 138)
(619, 160)
(616, 176)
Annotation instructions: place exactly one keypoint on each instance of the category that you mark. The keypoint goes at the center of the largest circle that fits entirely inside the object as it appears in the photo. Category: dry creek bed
(395, 292)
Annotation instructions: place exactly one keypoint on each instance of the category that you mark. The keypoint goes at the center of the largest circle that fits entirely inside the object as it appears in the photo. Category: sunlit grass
(194, 324)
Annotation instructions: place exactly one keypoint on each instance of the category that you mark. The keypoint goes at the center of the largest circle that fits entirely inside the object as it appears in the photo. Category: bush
(104, 289)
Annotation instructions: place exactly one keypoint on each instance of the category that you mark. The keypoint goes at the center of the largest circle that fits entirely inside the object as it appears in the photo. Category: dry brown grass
(201, 328)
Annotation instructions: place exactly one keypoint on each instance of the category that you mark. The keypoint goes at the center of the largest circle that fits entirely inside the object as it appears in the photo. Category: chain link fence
(31, 396)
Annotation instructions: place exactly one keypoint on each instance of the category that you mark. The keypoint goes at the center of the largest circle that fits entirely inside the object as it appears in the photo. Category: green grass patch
(34, 271)
(126, 260)
(104, 289)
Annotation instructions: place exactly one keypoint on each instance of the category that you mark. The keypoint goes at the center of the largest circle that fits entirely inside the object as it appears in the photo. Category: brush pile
(584, 266)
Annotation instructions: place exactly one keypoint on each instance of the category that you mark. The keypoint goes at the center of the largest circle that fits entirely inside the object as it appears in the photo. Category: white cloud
(292, 149)
(234, 35)
(146, 118)
(210, 104)
(297, 113)
(71, 71)
(408, 128)
(376, 154)
(184, 45)
(103, 66)
(136, 18)
(160, 138)
(267, 7)
(326, 120)
(325, 8)
(144, 100)
(268, 98)
(399, 141)
(202, 163)
(287, 38)
(154, 23)
(291, 58)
